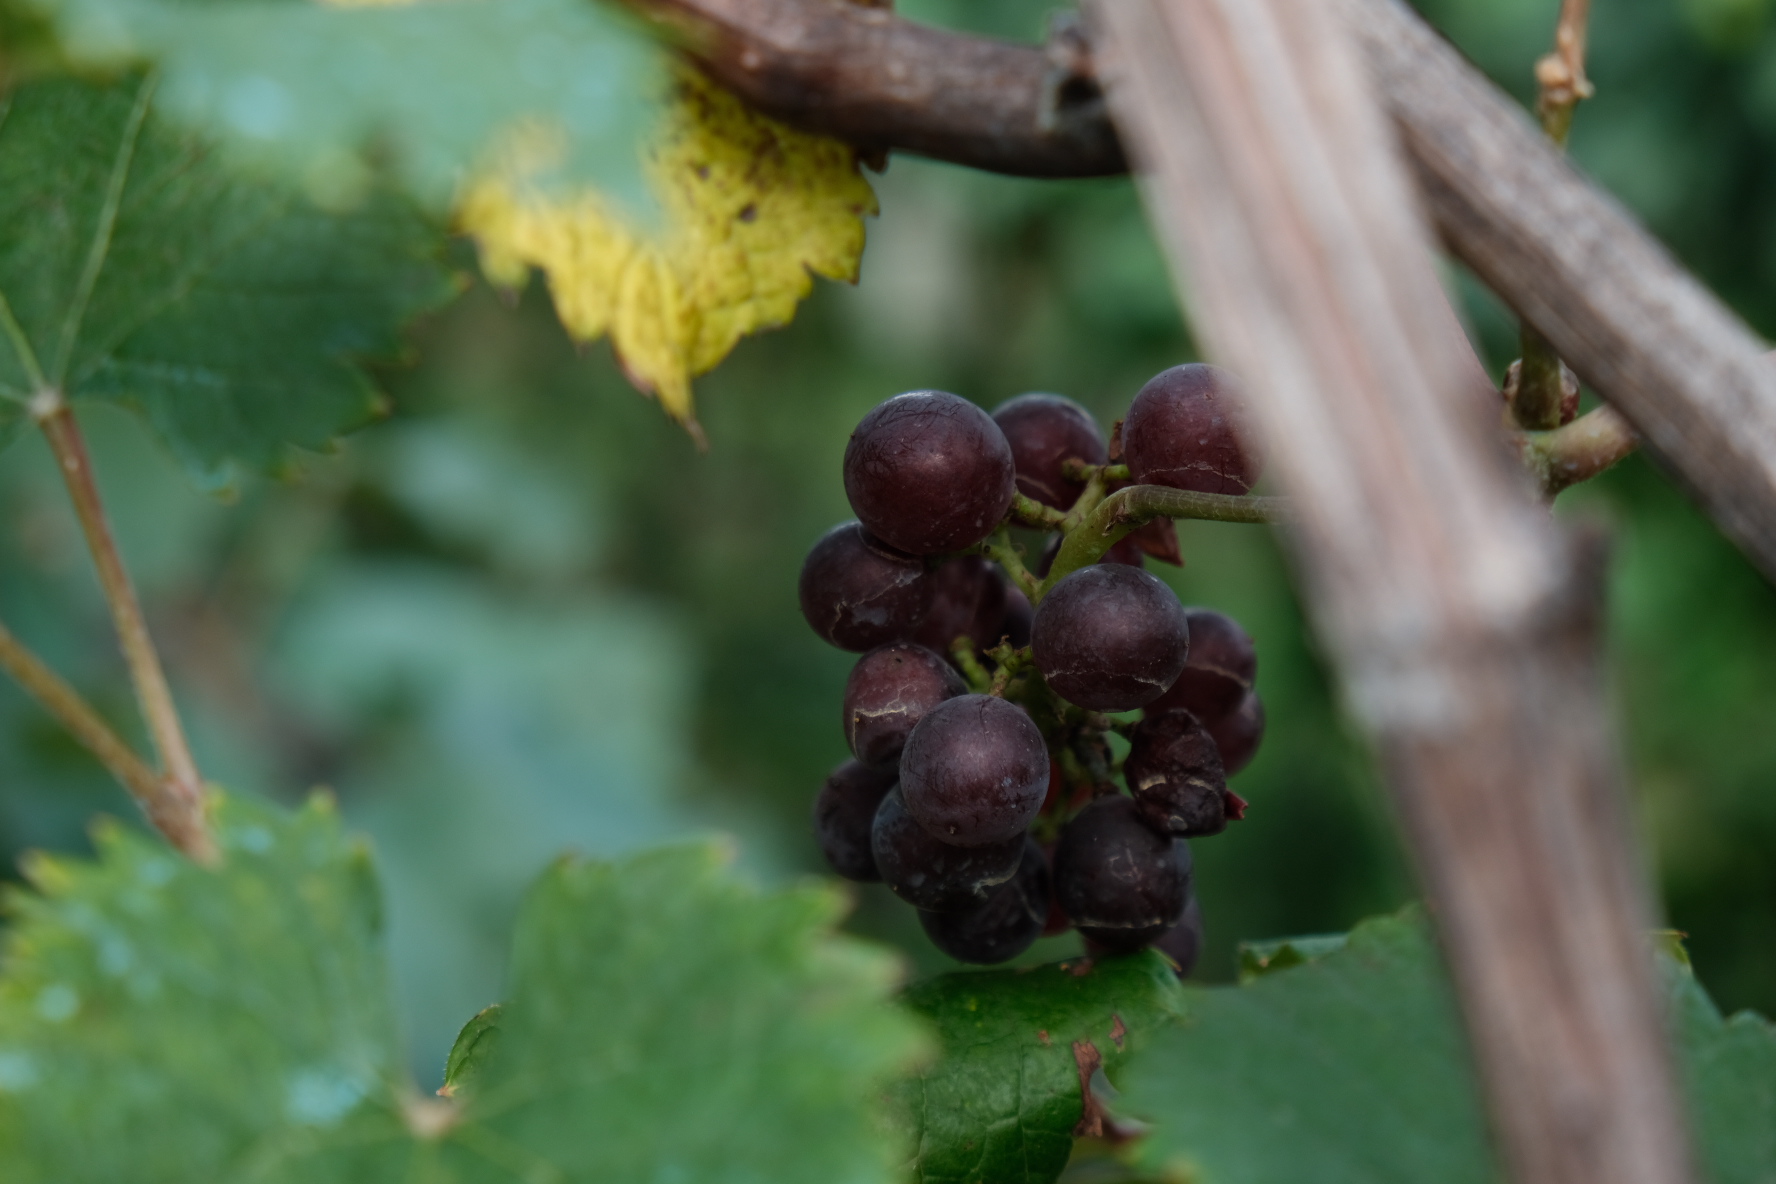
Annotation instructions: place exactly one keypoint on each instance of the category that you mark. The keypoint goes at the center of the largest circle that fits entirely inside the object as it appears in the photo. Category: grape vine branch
(1661, 349)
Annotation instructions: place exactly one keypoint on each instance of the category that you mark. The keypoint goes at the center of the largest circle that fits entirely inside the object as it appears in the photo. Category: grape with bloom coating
(1188, 429)
(890, 689)
(1238, 732)
(1174, 771)
(928, 472)
(974, 771)
(1045, 431)
(1110, 637)
(844, 815)
(858, 593)
(930, 874)
(1004, 925)
(1120, 882)
(1222, 667)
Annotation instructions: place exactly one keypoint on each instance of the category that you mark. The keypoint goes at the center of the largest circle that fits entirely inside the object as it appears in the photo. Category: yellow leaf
(751, 210)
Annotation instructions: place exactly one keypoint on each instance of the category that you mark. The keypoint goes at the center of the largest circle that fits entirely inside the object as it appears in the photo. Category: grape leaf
(1003, 1103)
(231, 313)
(325, 93)
(752, 210)
(667, 1023)
(474, 1044)
(160, 1022)
(1350, 1065)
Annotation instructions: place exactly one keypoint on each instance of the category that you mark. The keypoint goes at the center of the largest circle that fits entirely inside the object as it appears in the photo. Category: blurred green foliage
(525, 614)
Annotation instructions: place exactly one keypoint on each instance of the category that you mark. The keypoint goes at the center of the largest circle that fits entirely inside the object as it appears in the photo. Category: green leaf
(326, 92)
(469, 1055)
(667, 1023)
(1002, 1104)
(1352, 1067)
(161, 1023)
(232, 313)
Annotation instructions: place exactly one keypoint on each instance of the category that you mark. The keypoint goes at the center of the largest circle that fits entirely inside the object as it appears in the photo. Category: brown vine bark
(1657, 345)
(1464, 621)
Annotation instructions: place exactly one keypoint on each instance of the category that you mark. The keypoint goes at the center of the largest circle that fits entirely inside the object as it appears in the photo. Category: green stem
(1011, 663)
(83, 723)
(182, 816)
(1576, 452)
(979, 681)
(1027, 511)
(998, 548)
(1127, 509)
(1535, 404)
(21, 345)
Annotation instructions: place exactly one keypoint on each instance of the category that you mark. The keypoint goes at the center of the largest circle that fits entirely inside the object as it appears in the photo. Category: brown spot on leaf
(1117, 1031)
(1080, 968)
(1091, 1112)
(749, 211)
(1042, 1035)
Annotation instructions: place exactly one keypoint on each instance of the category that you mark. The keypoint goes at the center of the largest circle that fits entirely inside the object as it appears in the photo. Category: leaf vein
(102, 229)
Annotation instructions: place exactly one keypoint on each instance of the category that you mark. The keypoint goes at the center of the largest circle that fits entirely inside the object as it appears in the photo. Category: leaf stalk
(177, 807)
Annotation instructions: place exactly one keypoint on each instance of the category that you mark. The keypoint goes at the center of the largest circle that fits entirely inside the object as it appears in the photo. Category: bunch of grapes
(983, 789)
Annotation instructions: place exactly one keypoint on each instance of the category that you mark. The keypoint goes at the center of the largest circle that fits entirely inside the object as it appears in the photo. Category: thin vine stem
(179, 811)
(1560, 76)
(85, 724)
(1000, 550)
(1136, 505)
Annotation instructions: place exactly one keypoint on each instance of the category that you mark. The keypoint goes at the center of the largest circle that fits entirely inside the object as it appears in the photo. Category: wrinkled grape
(1174, 772)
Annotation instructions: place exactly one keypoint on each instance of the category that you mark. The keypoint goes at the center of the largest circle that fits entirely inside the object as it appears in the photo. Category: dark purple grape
(1238, 732)
(1110, 637)
(928, 472)
(929, 874)
(1222, 667)
(845, 812)
(1019, 617)
(1123, 550)
(1174, 771)
(1188, 429)
(890, 689)
(975, 771)
(858, 593)
(1005, 924)
(1183, 942)
(1121, 882)
(967, 599)
(1045, 431)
